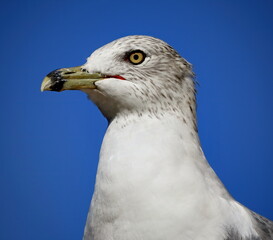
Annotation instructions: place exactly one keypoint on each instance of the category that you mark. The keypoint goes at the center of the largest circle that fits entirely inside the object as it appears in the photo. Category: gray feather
(263, 226)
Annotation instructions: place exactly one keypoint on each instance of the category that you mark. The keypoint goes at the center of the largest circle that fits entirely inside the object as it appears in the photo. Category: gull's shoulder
(262, 225)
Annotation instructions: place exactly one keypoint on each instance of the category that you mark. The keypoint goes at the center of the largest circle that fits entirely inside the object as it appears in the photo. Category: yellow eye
(137, 57)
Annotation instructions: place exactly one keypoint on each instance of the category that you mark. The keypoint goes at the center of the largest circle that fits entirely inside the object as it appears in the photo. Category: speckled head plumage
(161, 79)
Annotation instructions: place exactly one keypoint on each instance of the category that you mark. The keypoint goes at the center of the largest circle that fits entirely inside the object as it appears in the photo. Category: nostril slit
(84, 70)
(68, 73)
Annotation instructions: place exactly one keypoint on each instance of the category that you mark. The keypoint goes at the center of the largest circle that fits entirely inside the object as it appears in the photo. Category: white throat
(153, 178)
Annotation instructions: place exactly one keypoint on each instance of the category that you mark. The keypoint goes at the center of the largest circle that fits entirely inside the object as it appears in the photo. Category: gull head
(134, 74)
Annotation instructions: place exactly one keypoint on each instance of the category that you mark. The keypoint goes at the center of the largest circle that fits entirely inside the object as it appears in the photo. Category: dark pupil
(136, 57)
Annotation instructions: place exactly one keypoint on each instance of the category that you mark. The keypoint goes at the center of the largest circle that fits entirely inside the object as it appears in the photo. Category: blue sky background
(50, 141)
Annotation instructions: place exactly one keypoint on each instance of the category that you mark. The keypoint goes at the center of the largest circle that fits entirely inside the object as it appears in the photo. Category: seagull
(153, 180)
